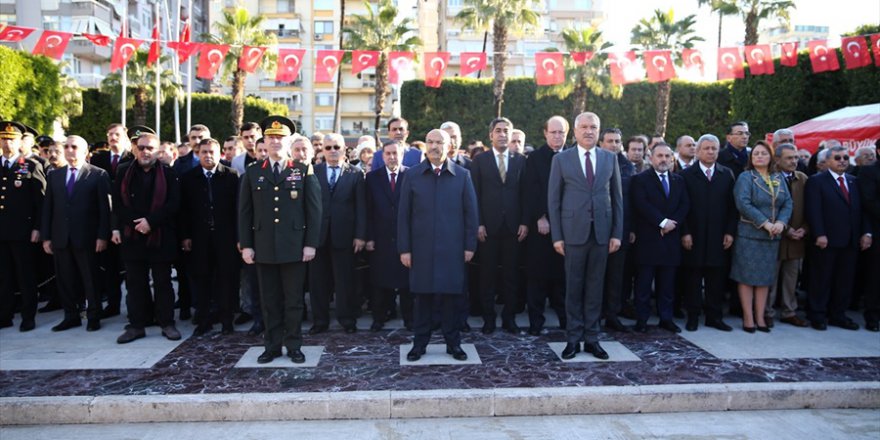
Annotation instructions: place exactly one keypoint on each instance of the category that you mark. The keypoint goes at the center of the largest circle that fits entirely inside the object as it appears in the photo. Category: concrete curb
(437, 403)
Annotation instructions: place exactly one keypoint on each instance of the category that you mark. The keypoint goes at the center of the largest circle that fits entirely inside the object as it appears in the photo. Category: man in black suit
(22, 187)
(497, 179)
(209, 232)
(343, 230)
(76, 227)
(869, 186)
(834, 213)
(546, 268)
(707, 234)
(735, 154)
(660, 203)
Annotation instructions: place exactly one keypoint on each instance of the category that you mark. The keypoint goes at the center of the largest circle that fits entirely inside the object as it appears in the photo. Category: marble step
(437, 403)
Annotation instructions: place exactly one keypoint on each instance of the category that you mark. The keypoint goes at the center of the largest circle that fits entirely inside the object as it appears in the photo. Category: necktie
(276, 170)
(393, 181)
(70, 181)
(788, 180)
(209, 175)
(502, 168)
(437, 171)
(333, 177)
(114, 161)
(588, 165)
(709, 174)
(843, 188)
(665, 184)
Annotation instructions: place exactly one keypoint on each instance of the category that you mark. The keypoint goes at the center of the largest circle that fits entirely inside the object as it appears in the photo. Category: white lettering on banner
(853, 145)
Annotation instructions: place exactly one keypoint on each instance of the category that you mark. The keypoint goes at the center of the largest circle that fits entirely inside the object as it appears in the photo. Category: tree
(503, 17)
(141, 82)
(661, 31)
(722, 8)
(753, 11)
(238, 29)
(381, 31)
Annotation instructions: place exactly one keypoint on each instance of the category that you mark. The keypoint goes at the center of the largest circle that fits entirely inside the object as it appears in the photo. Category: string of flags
(624, 67)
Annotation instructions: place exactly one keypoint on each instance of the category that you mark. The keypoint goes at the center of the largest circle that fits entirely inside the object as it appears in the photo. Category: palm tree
(752, 12)
(591, 76)
(379, 30)
(141, 85)
(237, 29)
(722, 8)
(503, 17)
(661, 31)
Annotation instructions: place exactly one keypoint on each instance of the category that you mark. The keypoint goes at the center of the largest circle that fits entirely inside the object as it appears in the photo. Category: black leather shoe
(317, 329)
(764, 329)
(351, 329)
(488, 329)
(872, 326)
(243, 318)
(641, 327)
(718, 324)
(65, 325)
(415, 354)
(376, 327)
(748, 329)
(819, 325)
(27, 325)
(130, 334)
(692, 324)
(50, 306)
(513, 329)
(256, 330)
(297, 356)
(846, 324)
(465, 328)
(538, 331)
(678, 314)
(571, 349)
(109, 312)
(669, 326)
(268, 356)
(227, 329)
(596, 350)
(201, 330)
(616, 325)
(456, 352)
(93, 325)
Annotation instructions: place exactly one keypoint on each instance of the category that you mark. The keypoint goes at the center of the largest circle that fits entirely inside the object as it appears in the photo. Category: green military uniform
(278, 216)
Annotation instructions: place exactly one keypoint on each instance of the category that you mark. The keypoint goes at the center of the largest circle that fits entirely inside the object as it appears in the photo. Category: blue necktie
(665, 184)
(333, 177)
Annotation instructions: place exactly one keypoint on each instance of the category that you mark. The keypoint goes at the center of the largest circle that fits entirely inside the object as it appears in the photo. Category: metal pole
(124, 33)
(189, 14)
(157, 97)
(175, 64)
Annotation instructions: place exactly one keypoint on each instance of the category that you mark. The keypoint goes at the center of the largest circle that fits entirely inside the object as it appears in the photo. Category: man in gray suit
(585, 205)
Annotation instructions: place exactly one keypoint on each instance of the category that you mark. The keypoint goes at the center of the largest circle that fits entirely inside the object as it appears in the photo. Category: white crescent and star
(439, 61)
(211, 57)
(253, 54)
(295, 61)
(131, 49)
(822, 55)
(14, 33)
(657, 60)
(857, 48)
(695, 58)
(724, 58)
(52, 38)
(365, 58)
(473, 62)
(400, 63)
(758, 55)
(330, 62)
(551, 61)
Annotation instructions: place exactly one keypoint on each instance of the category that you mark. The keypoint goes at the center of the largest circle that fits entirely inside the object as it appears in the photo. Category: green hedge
(207, 109)
(29, 89)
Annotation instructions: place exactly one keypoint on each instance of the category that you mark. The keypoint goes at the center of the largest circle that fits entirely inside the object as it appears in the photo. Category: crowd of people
(434, 232)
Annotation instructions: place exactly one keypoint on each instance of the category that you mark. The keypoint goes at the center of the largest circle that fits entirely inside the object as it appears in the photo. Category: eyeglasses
(332, 147)
(840, 158)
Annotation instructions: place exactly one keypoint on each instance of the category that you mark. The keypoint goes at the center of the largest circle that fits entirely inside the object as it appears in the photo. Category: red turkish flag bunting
(730, 63)
(875, 48)
(471, 62)
(123, 50)
(99, 40)
(624, 68)
(289, 63)
(250, 58)
(14, 34)
(435, 68)
(327, 64)
(397, 63)
(52, 44)
(581, 58)
(789, 54)
(693, 61)
(155, 47)
(363, 59)
(211, 59)
(185, 49)
(822, 58)
(760, 59)
(855, 52)
(659, 65)
(549, 69)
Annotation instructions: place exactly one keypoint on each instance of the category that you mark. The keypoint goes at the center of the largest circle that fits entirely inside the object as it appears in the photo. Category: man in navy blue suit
(660, 204)
(834, 213)
(398, 130)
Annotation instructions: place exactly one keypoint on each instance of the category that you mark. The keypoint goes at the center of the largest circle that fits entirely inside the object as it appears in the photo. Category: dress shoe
(795, 321)
(243, 318)
(201, 330)
(465, 328)
(256, 330)
(571, 349)
(819, 325)
(669, 326)
(297, 356)
(130, 334)
(316, 329)
(764, 329)
(513, 329)
(409, 327)
(50, 306)
(456, 352)
(93, 325)
(109, 312)
(872, 326)
(351, 329)
(268, 356)
(641, 327)
(846, 324)
(488, 329)
(227, 329)
(170, 332)
(415, 354)
(66, 324)
(538, 331)
(748, 329)
(27, 325)
(677, 313)
(185, 314)
(596, 350)
(692, 324)
(616, 325)
(718, 324)
(4, 324)
(376, 327)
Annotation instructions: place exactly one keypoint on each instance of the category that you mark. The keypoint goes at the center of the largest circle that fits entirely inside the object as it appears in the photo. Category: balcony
(285, 35)
(272, 84)
(88, 80)
(85, 49)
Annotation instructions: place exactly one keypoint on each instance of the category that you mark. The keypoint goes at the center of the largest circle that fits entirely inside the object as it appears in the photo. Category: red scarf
(154, 238)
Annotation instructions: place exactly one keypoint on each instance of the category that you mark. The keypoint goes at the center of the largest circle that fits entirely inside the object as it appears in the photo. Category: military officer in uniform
(22, 187)
(279, 226)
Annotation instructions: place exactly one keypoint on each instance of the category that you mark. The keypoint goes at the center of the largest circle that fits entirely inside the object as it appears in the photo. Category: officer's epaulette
(311, 171)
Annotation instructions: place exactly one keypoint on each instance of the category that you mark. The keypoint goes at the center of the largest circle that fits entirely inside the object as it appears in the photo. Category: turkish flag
(435, 68)
(14, 34)
(363, 59)
(581, 58)
(99, 40)
(789, 54)
(472, 62)
(155, 48)
(624, 68)
(211, 59)
(52, 44)
(123, 50)
(549, 69)
(730, 63)
(659, 65)
(760, 59)
(855, 52)
(397, 63)
(822, 58)
(250, 58)
(185, 49)
(693, 61)
(875, 48)
(289, 63)
(327, 64)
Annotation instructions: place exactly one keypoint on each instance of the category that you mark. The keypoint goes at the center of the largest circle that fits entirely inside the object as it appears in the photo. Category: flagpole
(158, 94)
(124, 68)
(175, 64)
(189, 71)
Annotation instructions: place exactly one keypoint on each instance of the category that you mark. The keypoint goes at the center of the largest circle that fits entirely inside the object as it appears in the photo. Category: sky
(840, 15)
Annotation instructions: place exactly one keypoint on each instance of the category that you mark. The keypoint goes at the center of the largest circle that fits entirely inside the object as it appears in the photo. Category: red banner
(730, 63)
(624, 68)
(658, 64)
(581, 58)
(211, 59)
(875, 48)
(472, 62)
(250, 58)
(549, 69)
(693, 61)
(155, 47)
(855, 52)
(435, 68)
(822, 59)
(123, 50)
(760, 59)
(398, 62)
(99, 40)
(14, 34)
(52, 44)
(327, 64)
(289, 63)
(363, 59)
(789, 54)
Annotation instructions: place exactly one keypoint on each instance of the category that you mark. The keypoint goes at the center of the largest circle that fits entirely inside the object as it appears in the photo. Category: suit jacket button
(276, 209)
(276, 198)
(276, 188)
(277, 221)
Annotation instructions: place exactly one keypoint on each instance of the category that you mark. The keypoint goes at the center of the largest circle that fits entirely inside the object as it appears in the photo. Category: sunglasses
(332, 147)
(840, 158)
(145, 147)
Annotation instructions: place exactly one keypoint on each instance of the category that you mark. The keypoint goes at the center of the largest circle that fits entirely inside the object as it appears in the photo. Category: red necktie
(114, 161)
(843, 188)
(437, 171)
(588, 165)
(393, 181)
